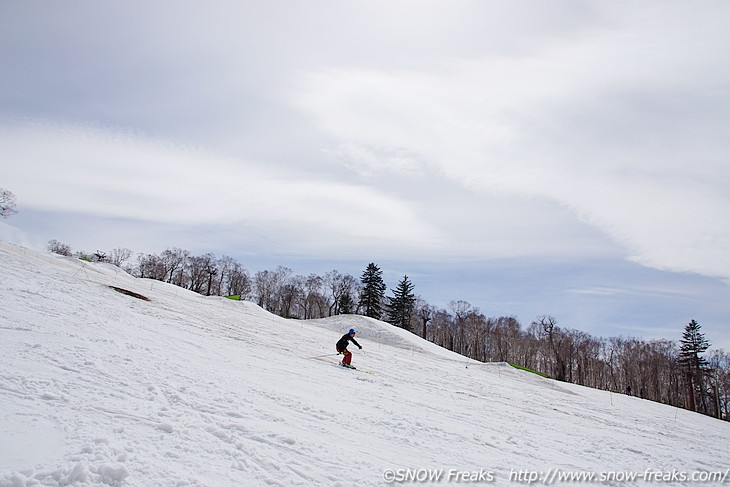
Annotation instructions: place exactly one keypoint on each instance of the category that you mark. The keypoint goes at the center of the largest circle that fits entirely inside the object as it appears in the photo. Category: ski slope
(102, 388)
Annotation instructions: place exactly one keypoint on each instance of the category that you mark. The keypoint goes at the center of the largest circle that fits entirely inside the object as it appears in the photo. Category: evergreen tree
(692, 344)
(373, 292)
(401, 304)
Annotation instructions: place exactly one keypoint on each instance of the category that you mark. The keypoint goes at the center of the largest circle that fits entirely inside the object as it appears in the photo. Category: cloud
(99, 171)
(471, 130)
(623, 128)
(123, 176)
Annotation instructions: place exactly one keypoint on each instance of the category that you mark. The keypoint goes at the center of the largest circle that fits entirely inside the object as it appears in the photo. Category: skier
(342, 347)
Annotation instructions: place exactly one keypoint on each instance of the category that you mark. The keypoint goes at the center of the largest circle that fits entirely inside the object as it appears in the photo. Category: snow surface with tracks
(102, 388)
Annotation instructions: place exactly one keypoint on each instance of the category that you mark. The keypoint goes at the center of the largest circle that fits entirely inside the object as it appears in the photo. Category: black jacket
(342, 344)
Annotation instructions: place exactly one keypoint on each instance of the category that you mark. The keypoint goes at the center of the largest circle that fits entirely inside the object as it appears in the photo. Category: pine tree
(401, 304)
(692, 344)
(373, 292)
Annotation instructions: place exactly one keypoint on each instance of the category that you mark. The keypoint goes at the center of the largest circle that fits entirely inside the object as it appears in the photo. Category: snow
(101, 388)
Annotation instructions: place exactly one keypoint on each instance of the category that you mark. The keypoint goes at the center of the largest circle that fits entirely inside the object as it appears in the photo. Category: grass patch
(130, 293)
(528, 370)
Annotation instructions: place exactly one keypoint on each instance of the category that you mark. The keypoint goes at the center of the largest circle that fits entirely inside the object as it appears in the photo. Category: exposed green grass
(528, 370)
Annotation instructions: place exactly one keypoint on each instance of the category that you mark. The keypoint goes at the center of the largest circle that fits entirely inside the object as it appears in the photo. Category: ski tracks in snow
(100, 388)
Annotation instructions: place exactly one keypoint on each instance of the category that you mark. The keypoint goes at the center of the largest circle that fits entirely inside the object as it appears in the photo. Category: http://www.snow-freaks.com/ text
(552, 476)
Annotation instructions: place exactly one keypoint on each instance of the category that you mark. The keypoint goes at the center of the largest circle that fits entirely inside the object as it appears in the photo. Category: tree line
(667, 371)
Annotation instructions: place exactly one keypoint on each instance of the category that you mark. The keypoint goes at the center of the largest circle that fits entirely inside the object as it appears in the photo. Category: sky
(529, 157)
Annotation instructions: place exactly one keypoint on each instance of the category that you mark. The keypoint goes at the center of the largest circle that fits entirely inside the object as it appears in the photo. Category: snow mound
(374, 330)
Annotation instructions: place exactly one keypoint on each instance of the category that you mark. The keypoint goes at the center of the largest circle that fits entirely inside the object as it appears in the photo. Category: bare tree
(441, 329)
(225, 266)
(461, 310)
(314, 301)
(556, 340)
(719, 365)
(174, 262)
(239, 282)
(424, 314)
(268, 284)
(203, 269)
(339, 285)
(7, 204)
(119, 256)
(291, 294)
(505, 336)
(59, 248)
(475, 332)
(150, 266)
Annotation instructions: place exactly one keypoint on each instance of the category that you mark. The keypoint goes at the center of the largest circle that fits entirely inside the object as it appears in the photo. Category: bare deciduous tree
(424, 314)
(119, 256)
(239, 282)
(150, 266)
(314, 300)
(7, 203)
(174, 262)
(59, 248)
(338, 285)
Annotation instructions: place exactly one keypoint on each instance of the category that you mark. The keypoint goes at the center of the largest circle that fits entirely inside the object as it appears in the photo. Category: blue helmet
(352, 331)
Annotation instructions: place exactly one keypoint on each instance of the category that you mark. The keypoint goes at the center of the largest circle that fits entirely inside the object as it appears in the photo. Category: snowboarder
(342, 347)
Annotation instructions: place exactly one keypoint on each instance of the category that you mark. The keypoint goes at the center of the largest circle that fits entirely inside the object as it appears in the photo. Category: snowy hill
(99, 387)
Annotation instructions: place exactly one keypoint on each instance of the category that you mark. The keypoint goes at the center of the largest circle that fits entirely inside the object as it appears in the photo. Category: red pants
(348, 356)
